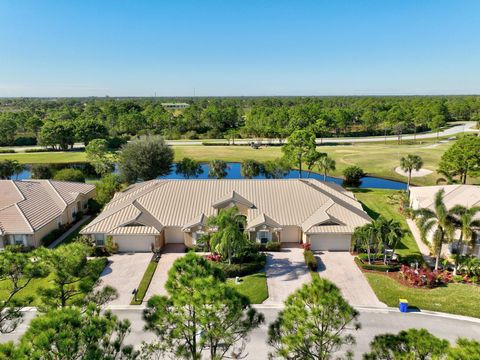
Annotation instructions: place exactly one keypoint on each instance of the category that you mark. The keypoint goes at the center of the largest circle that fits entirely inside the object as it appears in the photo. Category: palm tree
(467, 223)
(250, 168)
(189, 167)
(217, 169)
(439, 220)
(228, 236)
(410, 163)
(326, 164)
(369, 235)
(391, 234)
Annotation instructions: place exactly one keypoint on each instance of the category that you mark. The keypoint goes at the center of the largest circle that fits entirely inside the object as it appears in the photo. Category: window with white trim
(196, 235)
(100, 239)
(264, 236)
(18, 239)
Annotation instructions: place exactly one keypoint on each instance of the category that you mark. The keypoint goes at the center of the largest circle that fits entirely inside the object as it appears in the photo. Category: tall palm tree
(410, 163)
(326, 164)
(217, 169)
(468, 222)
(440, 220)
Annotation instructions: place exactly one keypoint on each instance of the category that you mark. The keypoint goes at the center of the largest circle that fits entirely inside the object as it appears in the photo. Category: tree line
(59, 123)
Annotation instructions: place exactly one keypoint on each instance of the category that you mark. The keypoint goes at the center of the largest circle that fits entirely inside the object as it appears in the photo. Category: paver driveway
(286, 272)
(340, 268)
(124, 272)
(170, 253)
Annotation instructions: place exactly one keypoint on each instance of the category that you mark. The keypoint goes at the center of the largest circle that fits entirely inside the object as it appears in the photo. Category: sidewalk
(69, 231)
(424, 249)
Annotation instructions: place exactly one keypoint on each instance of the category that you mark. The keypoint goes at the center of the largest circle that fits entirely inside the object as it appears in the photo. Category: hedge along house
(31, 209)
(149, 215)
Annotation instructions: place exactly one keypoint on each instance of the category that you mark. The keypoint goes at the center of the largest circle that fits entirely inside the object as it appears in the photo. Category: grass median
(144, 283)
(253, 286)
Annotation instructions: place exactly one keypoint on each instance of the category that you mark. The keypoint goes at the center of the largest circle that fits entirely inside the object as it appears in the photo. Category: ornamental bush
(425, 277)
(310, 260)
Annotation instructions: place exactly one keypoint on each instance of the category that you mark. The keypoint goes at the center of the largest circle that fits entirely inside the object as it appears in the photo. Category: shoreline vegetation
(376, 159)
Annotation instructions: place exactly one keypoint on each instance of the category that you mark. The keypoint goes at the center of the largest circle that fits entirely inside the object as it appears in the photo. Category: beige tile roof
(177, 203)
(263, 219)
(466, 195)
(28, 205)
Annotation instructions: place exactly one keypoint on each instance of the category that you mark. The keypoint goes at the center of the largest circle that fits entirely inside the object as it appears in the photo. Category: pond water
(233, 172)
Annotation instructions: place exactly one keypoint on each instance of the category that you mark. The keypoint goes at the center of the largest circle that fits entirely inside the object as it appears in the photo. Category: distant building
(175, 106)
(31, 209)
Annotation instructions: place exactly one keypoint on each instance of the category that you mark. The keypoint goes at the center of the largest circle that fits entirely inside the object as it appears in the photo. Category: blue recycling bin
(403, 305)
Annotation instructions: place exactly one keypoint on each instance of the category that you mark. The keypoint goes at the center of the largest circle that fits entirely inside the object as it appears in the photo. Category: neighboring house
(466, 195)
(31, 209)
(157, 212)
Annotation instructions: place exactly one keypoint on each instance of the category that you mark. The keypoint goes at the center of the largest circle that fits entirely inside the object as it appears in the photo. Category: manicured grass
(253, 286)
(377, 159)
(457, 299)
(32, 288)
(144, 283)
(46, 157)
(378, 202)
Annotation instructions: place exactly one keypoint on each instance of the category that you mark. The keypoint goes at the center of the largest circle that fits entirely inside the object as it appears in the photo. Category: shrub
(37, 150)
(242, 269)
(376, 267)
(310, 260)
(457, 278)
(306, 246)
(110, 246)
(213, 257)
(7, 151)
(425, 277)
(74, 175)
(353, 175)
(54, 235)
(116, 142)
(25, 141)
(273, 246)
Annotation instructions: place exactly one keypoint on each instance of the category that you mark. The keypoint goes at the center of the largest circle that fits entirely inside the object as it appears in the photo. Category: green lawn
(47, 157)
(144, 283)
(31, 289)
(457, 299)
(376, 159)
(253, 286)
(378, 202)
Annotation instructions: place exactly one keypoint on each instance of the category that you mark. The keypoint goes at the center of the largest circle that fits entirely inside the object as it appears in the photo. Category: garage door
(331, 242)
(134, 243)
(290, 234)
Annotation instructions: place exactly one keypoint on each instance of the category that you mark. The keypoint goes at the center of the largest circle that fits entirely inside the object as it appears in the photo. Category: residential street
(374, 321)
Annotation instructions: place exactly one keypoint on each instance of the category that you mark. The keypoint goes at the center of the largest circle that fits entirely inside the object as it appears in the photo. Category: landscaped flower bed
(249, 265)
(424, 277)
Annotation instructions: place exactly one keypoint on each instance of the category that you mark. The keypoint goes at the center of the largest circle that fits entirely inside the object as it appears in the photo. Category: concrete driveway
(286, 272)
(340, 268)
(124, 272)
(170, 253)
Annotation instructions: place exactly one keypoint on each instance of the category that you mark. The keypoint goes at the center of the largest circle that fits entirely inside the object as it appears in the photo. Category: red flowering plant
(213, 257)
(306, 246)
(425, 277)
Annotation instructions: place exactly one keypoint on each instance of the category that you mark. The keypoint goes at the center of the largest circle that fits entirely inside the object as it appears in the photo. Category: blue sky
(230, 47)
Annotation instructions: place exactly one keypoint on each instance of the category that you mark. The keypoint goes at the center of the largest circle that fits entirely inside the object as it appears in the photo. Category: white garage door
(331, 242)
(134, 243)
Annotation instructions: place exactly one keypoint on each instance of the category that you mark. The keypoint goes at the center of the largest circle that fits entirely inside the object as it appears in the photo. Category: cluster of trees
(442, 223)
(201, 316)
(461, 160)
(61, 122)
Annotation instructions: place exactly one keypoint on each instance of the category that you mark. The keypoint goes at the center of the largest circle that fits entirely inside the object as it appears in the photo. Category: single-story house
(31, 209)
(154, 213)
(466, 195)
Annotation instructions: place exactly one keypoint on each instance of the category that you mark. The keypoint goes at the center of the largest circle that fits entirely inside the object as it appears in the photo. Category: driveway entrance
(170, 253)
(339, 268)
(286, 272)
